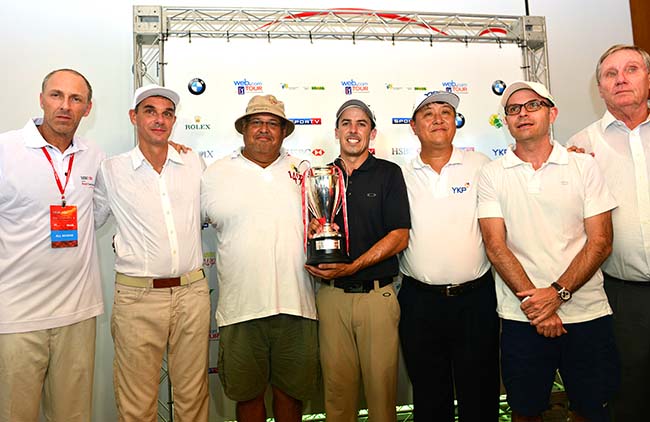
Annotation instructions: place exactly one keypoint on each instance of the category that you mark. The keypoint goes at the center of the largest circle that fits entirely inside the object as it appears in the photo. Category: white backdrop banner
(216, 78)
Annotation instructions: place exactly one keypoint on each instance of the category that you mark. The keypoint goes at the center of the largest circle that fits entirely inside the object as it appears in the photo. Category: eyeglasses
(258, 123)
(533, 105)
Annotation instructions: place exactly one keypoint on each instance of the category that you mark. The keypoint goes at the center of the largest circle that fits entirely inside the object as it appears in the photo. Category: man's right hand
(551, 327)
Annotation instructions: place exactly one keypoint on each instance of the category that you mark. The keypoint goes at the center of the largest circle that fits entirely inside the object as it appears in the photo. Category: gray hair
(618, 47)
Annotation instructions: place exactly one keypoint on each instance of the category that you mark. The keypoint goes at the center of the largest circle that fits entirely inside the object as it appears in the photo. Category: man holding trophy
(357, 304)
(266, 311)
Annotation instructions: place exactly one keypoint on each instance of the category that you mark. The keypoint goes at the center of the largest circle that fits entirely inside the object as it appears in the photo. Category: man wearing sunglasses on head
(545, 215)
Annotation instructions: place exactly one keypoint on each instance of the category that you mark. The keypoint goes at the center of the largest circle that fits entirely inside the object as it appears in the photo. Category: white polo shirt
(158, 215)
(623, 156)
(544, 214)
(43, 287)
(260, 258)
(445, 243)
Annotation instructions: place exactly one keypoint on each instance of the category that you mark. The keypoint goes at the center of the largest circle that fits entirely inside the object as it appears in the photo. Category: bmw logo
(498, 87)
(196, 86)
(460, 120)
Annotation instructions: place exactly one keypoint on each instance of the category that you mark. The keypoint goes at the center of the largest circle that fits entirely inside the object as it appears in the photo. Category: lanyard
(56, 176)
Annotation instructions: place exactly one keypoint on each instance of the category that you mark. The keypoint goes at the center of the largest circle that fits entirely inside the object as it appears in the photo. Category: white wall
(96, 39)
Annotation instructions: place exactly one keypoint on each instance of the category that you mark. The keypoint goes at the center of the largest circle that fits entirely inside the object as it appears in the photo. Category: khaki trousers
(56, 364)
(359, 339)
(146, 322)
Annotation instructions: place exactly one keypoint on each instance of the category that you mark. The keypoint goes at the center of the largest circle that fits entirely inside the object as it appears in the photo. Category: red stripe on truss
(353, 11)
(493, 31)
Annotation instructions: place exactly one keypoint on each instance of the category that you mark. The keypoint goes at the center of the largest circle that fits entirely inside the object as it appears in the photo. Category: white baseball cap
(153, 90)
(536, 87)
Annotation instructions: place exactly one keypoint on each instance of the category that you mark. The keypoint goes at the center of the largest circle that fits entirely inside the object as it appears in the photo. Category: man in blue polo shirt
(357, 304)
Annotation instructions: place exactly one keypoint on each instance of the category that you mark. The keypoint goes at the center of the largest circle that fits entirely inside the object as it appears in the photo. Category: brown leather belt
(160, 283)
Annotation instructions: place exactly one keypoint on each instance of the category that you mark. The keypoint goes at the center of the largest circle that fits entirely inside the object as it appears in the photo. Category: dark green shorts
(281, 350)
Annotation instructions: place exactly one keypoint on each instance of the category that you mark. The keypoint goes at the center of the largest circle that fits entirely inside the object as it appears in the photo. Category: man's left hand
(332, 271)
(541, 304)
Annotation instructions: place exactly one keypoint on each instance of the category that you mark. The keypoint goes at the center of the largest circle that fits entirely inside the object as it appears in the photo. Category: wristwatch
(562, 292)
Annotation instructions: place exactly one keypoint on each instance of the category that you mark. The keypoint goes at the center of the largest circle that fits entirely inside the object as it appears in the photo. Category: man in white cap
(449, 329)
(357, 304)
(266, 312)
(162, 300)
(50, 287)
(620, 143)
(545, 215)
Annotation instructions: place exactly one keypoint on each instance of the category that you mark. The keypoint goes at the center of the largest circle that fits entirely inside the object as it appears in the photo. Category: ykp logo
(460, 189)
(499, 151)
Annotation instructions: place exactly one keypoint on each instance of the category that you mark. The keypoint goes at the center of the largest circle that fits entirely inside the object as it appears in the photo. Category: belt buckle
(450, 290)
(353, 287)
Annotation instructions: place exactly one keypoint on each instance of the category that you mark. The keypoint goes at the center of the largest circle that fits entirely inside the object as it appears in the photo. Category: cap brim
(537, 88)
(439, 97)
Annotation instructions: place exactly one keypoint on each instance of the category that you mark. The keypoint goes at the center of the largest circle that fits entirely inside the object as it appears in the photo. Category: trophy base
(327, 250)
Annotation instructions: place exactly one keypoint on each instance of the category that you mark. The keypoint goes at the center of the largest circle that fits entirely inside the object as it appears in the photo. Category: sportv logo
(401, 120)
(245, 86)
(307, 120)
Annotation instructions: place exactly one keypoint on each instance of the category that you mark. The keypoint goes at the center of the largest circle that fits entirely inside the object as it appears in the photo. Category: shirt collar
(609, 120)
(137, 157)
(34, 139)
(559, 155)
(457, 156)
(238, 153)
(367, 165)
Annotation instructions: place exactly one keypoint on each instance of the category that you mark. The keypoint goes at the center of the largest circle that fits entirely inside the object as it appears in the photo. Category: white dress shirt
(158, 215)
(623, 156)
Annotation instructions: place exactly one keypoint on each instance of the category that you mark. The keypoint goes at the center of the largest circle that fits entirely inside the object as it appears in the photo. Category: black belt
(448, 289)
(631, 283)
(358, 286)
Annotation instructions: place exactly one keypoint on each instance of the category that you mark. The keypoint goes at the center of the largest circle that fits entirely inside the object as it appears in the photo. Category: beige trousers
(359, 339)
(146, 322)
(56, 364)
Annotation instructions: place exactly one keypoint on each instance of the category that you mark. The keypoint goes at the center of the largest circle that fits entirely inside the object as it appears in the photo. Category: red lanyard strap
(56, 176)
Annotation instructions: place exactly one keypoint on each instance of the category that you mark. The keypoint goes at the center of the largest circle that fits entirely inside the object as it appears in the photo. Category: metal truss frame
(153, 25)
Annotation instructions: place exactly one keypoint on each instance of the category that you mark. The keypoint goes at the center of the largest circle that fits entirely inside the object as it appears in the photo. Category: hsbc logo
(307, 121)
(317, 152)
(401, 120)
(498, 152)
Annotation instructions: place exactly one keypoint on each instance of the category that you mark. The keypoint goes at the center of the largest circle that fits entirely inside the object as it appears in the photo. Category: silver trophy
(324, 194)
